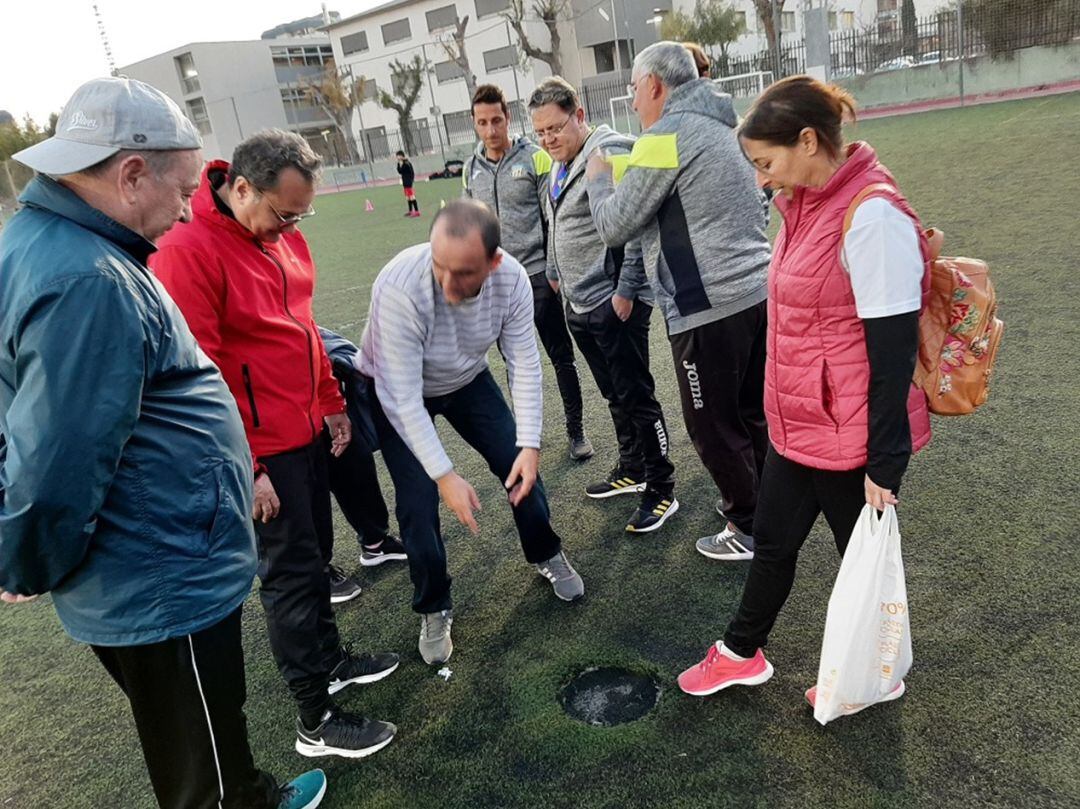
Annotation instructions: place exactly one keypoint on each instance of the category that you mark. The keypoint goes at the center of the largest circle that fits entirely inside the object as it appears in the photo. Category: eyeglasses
(291, 219)
(552, 131)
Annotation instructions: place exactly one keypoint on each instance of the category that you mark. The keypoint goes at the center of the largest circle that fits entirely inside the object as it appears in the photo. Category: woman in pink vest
(842, 339)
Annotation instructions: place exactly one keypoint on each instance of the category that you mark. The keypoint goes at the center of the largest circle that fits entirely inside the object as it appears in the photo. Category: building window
(604, 56)
(439, 18)
(396, 31)
(368, 90)
(354, 43)
(787, 21)
(448, 71)
(396, 86)
(847, 20)
(500, 58)
(196, 111)
(740, 17)
(189, 76)
(485, 8)
(832, 21)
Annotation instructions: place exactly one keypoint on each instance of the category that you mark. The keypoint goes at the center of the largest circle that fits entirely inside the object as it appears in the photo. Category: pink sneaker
(848, 710)
(718, 671)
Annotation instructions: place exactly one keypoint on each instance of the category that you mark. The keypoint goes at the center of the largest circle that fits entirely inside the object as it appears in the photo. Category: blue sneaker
(304, 792)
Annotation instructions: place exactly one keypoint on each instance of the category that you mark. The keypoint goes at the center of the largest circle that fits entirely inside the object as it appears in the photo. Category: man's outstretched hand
(522, 476)
(460, 497)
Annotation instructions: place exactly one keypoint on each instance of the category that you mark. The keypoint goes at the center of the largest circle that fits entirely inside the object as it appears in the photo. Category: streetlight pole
(960, 36)
(614, 33)
(431, 91)
(517, 89)
(359, 102)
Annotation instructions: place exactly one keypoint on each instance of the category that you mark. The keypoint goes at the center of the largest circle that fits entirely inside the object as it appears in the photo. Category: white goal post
(623, 104)
(745, 85)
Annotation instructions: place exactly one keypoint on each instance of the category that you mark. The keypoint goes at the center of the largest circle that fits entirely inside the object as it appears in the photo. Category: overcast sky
(50, 47)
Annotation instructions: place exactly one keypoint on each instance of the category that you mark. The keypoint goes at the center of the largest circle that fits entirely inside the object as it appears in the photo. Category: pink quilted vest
(817, 374)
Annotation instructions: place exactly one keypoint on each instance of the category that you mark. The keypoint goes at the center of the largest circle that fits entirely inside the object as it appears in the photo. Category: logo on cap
(139, 137)
(80, 121)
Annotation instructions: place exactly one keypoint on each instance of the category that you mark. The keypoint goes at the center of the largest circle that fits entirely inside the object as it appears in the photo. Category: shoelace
(426, 622)
(287, 793)
(710, 658)
(561, 568)
(350, 726)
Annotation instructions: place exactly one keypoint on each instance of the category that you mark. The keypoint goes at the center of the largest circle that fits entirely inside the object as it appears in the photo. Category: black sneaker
(652, 513)
(342, 588)
(616, 483)
(389, 550)
(362, 669)
(343, 734)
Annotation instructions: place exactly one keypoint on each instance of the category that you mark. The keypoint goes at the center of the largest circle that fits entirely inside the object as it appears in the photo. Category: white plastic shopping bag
(866, 650)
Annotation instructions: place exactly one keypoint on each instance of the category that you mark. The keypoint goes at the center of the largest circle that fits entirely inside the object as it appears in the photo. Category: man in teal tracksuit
(511, 176)
(125, 476)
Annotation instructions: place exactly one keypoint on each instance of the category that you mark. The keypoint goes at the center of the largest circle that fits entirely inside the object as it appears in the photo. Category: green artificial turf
(990, 525)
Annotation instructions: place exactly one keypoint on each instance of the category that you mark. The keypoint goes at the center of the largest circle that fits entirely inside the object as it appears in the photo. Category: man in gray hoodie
(691, 196)
(608, 305)
(511, 176)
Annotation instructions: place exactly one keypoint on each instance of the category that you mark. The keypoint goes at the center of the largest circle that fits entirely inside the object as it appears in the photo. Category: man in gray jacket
(511, 176)
(690, 194)
(609, 304)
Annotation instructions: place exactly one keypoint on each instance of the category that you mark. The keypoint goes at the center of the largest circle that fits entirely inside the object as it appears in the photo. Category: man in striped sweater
(436, 310)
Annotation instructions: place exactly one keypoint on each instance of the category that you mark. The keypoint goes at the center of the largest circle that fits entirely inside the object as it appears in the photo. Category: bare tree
(769, 12)
(406, 82)
(549, 12)
(337, 94)
(454, 45)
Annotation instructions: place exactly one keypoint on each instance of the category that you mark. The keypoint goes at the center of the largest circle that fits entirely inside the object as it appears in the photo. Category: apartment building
(231, 90)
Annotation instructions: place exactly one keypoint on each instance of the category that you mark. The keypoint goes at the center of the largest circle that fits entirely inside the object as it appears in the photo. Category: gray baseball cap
(105, 116)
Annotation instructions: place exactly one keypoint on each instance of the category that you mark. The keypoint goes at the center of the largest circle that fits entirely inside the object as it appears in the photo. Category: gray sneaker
(730, 545)
(435, 643)
(565, 581)
(581, 448)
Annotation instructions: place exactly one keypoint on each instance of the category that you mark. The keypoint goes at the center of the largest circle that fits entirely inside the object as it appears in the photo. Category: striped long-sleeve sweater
(417, 346)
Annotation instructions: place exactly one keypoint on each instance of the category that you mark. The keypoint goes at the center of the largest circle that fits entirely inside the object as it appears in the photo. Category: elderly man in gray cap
(125, 475)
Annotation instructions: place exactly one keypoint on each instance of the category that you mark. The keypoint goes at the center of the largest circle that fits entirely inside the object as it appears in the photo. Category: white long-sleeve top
(416, 345)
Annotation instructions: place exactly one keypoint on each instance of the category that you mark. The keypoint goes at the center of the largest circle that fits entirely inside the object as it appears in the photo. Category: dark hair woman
(844, 304)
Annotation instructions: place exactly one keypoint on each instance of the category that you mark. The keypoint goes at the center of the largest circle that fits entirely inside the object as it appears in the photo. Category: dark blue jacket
(355, 387)
(125, 482)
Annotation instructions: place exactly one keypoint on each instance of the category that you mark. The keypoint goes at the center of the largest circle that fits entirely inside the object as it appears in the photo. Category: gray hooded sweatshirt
(690, 194)
(588, 271)
(516, 189)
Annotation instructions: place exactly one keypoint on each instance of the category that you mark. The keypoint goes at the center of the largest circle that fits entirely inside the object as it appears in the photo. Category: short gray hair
(555, 90)
(670, 62)
(263, 156)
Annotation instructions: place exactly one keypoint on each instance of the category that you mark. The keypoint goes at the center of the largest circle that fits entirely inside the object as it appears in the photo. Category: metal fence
(596, 96)
(980, 27)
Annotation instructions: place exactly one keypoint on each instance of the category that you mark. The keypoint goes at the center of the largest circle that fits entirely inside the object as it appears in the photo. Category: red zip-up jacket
(248, 304)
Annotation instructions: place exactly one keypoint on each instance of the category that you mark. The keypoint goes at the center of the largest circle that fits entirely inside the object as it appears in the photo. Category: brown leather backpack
(959, 331)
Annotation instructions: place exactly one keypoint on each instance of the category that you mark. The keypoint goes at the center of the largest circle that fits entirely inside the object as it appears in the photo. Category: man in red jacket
(243, 277)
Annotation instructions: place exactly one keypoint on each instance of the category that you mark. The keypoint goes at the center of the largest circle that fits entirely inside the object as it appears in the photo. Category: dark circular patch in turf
(609, 696)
